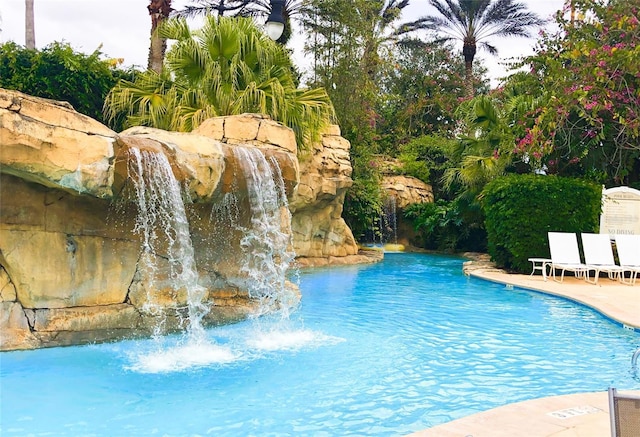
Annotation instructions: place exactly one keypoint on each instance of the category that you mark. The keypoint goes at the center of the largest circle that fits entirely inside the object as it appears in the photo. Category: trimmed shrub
(521, 209)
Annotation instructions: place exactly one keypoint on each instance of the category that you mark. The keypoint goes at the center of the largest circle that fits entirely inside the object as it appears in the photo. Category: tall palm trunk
(159, 10)
(469, 53)
(29, 25)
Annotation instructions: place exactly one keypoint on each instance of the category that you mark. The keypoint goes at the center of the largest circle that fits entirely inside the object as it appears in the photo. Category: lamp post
(275, 22)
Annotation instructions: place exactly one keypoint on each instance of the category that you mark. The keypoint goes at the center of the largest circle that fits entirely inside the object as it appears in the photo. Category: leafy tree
(348, 41)
(363, 205)
(475, 21)
(428, 158)
(227, 67)
(450, 226)
(482, 152)
(422, 87)
(350, 44)
(58, 72)
(587, 122)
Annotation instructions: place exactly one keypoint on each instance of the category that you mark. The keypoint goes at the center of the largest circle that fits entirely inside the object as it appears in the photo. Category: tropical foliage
(421, 88)
(484, 149)
(60, 73)
(227, 67)
(349, 43)
(449, 226)
(587, 121)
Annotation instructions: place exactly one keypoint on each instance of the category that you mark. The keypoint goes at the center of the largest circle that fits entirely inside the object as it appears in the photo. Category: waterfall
(266, 241)
(390, 221)
(162, 223)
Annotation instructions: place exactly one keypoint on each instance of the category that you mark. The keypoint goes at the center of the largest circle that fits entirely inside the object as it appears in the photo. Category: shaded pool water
(384, 349)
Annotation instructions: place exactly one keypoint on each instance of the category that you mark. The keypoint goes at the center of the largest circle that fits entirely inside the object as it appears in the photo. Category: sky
(121, 28)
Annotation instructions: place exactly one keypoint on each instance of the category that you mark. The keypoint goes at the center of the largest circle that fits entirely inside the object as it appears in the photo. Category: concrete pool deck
(575, 415)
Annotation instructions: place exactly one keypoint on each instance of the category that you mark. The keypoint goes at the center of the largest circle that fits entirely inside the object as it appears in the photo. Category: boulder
(49, 143)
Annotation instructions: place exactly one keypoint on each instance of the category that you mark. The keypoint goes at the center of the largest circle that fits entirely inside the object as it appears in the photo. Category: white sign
(620, 211)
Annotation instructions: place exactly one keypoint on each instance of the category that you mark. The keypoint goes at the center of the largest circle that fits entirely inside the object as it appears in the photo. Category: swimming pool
(384, 349)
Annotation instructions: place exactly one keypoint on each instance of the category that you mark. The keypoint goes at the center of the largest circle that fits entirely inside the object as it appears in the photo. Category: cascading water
(255, 227)
(385, 230)
(164, 228)
(266, 243)
(389, 221)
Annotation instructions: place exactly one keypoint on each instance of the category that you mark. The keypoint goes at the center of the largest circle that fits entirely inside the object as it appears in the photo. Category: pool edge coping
(631, 326)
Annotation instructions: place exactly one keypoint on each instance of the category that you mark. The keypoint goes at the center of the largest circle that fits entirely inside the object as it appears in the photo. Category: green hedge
(59, 72)
(521, 209)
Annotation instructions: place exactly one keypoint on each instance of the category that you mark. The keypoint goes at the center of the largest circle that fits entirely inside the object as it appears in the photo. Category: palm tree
(475, 21)
(29, 25)
(485, 152)
(229, 66)
(159, 10)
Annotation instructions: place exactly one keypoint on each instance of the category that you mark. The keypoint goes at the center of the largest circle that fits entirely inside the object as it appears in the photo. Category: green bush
(60, 73)
(520, 210)
(448, 226)
(363, 208)
(427, 158)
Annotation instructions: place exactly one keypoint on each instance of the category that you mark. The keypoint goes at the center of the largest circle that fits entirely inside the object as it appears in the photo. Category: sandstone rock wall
(320, 234)
(403, 191)
(407, 190)
(70, 256)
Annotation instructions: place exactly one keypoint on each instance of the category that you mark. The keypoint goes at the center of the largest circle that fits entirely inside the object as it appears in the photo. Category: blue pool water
(384, 349)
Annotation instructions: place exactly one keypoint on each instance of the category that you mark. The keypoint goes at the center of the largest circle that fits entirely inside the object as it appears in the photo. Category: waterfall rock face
(320, 234)
(407, 190)
(70, 256)
(404, 191)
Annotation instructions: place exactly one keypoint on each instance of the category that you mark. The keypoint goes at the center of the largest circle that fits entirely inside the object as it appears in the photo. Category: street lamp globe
(275, 22)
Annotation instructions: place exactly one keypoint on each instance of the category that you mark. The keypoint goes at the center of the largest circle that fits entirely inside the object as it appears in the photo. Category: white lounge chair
(565, 255)
(624, 411)
(628, 247)
(598, 256)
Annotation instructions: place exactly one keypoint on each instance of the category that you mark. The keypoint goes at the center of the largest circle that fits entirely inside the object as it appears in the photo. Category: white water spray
(267, 242)
(162, 223)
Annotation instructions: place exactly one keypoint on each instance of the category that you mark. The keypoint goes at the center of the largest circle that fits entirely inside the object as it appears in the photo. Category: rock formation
(70, 256)
(406, 190)
(402, 191)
